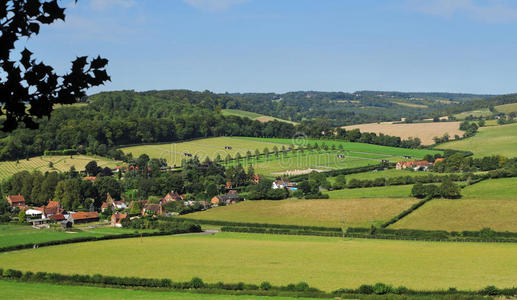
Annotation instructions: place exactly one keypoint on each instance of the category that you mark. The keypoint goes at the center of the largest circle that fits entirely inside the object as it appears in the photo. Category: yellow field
(507, 108)
(424, 131)
(321, 212)
(325, 263)
(60, 163)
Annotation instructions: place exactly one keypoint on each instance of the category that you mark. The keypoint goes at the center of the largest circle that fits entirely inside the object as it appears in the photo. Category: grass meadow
(491, 203)
(319, 212)
(44, 291)
(507, 108)
(325, 263)
(489, 141)
(392, 191)
(484, 112)
(60, 164)
(11, 235)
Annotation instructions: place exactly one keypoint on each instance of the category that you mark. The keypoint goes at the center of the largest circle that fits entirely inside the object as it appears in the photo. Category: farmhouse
(16, 200)
(228, 198)
(52, 208)
(85, 217)
(156, 209)
(415, 165)
(172, 196)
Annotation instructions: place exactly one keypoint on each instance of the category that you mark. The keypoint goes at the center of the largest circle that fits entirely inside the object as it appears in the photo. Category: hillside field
(393, 191)
(325, 263)
(44, 291)
(485, 112)
(489, 141)
(491, 203)
(424, 131)
(252, 115)
(507, 108)
(356, 154)
(60, 164)
(318, 212)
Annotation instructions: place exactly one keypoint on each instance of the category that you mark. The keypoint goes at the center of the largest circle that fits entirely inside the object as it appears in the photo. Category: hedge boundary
(197, 285)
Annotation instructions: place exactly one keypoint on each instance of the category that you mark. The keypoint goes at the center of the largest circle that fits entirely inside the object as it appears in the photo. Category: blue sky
(287, 45)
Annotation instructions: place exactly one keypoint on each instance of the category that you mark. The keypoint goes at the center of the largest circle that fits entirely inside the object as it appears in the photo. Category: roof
(439, 160)
(90, 178)
(415, 163)
(53, 204)
(57, 217)
(118, 217)
(83, 215)
(104, 205)
(16, 198)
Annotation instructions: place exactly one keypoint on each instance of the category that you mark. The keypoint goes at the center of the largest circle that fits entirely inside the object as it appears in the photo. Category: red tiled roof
(83, 215)
(104, 205)
(90, 178)
(53, 203)
(16, 198)
(57, 217)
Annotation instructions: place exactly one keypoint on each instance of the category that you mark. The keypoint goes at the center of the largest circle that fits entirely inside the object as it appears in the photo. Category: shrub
(302, 286)
(266, 286)
(490, 291)
(366, 289)
(381, 288)
(196, 283)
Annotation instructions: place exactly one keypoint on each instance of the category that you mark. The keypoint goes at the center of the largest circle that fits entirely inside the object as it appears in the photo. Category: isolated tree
(29, 89)
(92, 168)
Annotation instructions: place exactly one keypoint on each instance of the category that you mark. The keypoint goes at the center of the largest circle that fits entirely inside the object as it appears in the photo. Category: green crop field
(507, 108)
(11, 235)
(393, 191)
(44, 291)
(320, 212)
(325, 263)
(485, 112)
(489, 141)
(251, 115)
(491, 203)
(60, 163)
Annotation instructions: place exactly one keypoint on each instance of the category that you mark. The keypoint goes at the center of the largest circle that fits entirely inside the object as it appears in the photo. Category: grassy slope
(61, 163)
(507, 108)
(24, 290)
(488, 141)
(329, 212)
(491, 203)
(326, 263)
(251, 115)
(394, 191)
(17, 234)
(485, 112)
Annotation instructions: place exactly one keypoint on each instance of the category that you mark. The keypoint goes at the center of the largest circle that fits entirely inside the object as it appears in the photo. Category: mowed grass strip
(11, 235)
(319, 212)
(60, 163)
(325, 263)
(43, 291)
(489, 141)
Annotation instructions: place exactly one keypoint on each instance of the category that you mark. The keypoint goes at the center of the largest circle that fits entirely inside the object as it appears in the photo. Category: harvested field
(424, 131)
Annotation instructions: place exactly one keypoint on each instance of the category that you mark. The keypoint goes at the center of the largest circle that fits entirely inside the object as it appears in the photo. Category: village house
(280, 184)
(15, 200)
(172, 196)
(116, 219)
(52, 208)
(84, 217)
(229, 198)
(422, 165)
(156, 209)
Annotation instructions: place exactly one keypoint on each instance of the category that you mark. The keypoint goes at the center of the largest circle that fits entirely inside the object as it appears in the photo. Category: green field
(320, 212)
(24, 290)
(507, 108)
(489, 141)
(356, 154)
(390, 173)
(251, 115)
(60, 163)
(325, 263)
(11, 235)
(393, 191)
(491, 203)
(485, 112)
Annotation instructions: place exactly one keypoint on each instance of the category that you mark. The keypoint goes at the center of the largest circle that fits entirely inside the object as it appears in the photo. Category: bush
(266, 286)
(490, 291)
(366, 289)
(197, 283)
(381, 288)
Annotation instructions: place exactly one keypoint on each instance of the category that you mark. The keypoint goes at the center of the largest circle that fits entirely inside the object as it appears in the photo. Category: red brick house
(15, 200)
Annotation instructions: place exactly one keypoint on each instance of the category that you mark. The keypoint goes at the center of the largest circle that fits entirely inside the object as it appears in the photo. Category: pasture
(355, 154)
(11, 235)
(44, 291)
(484, 112)
(209, 147)
(252, 115)
(489, 141)
(325, 263)
(506, 108)
(318, 212)
(390, 173)
(424, 131)
(59, 163)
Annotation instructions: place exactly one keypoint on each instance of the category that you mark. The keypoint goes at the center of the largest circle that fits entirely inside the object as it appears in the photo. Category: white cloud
(492, 11)
(104, 4)
(214, 5)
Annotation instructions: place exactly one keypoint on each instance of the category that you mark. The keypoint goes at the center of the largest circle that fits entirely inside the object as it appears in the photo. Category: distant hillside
(252, 115)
